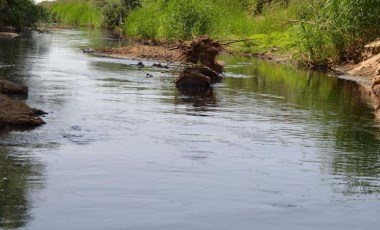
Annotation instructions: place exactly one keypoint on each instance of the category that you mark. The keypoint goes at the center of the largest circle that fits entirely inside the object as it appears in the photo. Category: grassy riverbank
(316, 33)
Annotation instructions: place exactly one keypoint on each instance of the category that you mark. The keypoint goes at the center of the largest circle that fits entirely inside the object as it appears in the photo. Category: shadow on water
(13, 52)
(344, 119)
(20, 175)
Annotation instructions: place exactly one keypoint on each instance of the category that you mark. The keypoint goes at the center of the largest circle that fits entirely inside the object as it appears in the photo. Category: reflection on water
(336, 107)
(19, 176)
(271, 146)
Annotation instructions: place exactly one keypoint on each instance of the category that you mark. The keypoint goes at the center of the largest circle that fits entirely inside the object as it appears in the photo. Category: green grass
(316, 32)
(223, 20)
(76, 12)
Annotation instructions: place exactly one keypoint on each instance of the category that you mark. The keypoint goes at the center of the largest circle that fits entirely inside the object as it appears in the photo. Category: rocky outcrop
(18, 114)
(14, 113)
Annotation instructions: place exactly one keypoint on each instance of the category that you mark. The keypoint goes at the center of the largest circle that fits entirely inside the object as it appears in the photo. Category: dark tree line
(20, 14)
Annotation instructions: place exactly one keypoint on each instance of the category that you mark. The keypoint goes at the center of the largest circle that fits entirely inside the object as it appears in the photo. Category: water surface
(269, 148)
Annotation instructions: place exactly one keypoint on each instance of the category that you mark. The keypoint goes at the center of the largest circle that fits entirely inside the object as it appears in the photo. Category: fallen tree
(202, 69)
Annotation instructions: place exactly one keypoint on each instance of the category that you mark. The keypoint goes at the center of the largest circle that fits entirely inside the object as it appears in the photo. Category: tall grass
(335, 30)
(172, 19)
(76, 12)
(224, 20)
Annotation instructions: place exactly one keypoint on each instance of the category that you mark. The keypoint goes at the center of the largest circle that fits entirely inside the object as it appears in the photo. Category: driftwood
(204, 69)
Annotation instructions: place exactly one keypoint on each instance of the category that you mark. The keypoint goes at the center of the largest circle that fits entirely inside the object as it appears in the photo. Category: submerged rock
(197, 76)
(11, 88)
(190, 78)
(17, 114)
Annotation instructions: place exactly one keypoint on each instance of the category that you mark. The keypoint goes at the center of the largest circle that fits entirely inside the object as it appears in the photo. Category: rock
(371, 49)
(11, 88)
(159, 65)
(197, 76)
(88, 50)
(191, 77)
(140, 65)
(17, 114)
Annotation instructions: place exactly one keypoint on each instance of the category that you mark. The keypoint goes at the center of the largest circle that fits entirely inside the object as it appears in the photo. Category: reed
(75, 12)
(336, 30)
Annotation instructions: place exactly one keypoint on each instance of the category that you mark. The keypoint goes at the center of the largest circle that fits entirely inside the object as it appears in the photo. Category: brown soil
(142, 52)
(366, 69)
(18, 114)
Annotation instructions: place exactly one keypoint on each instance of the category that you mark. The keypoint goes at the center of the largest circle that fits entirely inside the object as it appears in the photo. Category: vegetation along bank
(315, 33)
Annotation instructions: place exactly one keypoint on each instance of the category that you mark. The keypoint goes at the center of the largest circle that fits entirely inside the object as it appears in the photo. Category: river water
(271, 147)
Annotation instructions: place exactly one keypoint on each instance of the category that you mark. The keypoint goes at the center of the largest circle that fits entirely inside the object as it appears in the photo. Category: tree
(20, 13)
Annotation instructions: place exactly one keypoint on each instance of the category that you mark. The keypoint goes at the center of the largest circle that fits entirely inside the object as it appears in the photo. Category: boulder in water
(17, 114)
(11, 88)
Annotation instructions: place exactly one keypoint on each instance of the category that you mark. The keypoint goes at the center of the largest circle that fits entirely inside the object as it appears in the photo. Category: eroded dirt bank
(139, 51)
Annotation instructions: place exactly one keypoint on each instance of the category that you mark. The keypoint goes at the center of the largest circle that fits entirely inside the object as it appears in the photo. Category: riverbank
(362, 72)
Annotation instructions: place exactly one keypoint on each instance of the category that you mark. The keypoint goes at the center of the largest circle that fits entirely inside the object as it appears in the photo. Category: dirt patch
(366, 69)
(161, 53)
(17, 114)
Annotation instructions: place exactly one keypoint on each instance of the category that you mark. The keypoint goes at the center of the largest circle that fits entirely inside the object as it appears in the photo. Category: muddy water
(269, 148)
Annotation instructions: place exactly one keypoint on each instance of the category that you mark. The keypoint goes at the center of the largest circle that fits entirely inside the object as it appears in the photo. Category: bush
(337, 29)
(20, 13)
(75, 12)
(175, 18)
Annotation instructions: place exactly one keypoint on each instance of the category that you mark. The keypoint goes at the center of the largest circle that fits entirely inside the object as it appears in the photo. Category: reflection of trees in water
(340, 109)
(13, 61)
(19, 175)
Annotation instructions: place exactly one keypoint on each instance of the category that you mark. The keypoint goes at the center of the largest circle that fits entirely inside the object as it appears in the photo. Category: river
(271, 147)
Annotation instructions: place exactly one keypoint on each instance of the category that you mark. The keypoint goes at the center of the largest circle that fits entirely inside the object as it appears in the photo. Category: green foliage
(76, 12)
(175, 18)
(20, 13)
(115, 11)
(337, 29)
